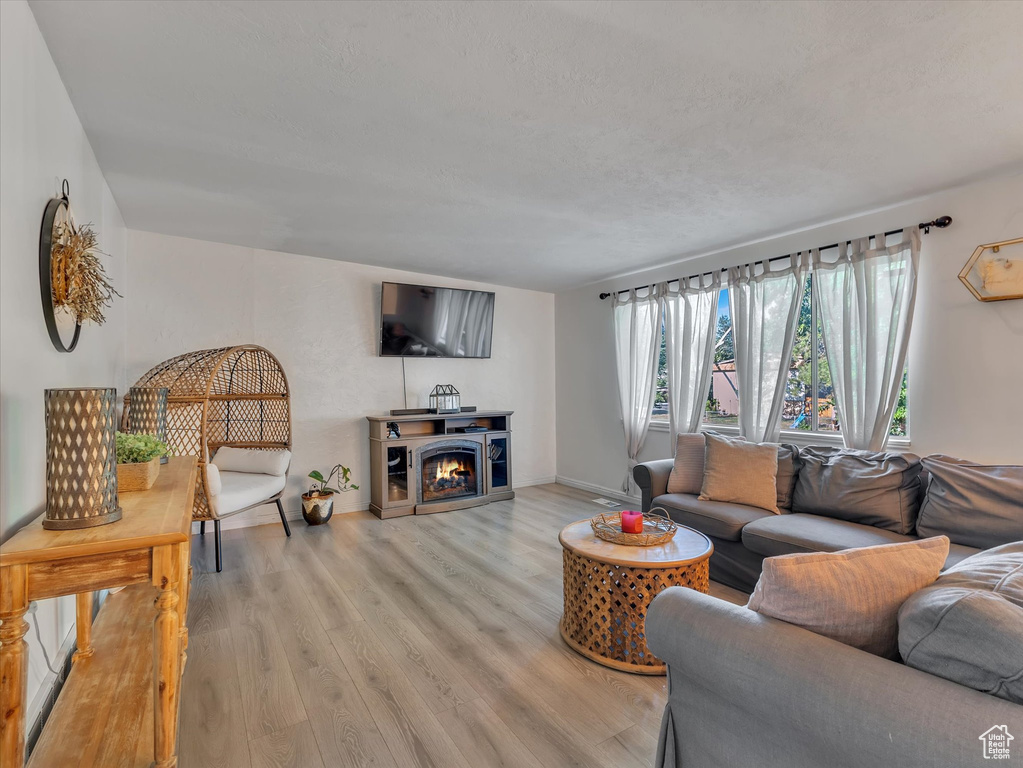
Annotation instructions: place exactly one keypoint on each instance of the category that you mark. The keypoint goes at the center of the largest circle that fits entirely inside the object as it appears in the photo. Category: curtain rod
(941, 222)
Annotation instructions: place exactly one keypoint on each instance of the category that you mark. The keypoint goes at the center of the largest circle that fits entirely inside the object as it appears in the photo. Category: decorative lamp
(445, 399)
(147, 413)
(81, 458)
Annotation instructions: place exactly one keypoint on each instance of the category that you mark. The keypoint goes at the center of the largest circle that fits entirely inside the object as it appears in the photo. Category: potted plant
(138, 461)
(318, 502)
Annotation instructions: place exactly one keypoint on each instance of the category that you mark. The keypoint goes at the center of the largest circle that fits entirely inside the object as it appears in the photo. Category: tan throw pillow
(851, 596)
(740, 473)
(687, 474)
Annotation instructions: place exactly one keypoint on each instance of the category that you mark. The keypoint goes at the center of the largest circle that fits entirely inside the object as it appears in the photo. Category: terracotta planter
(138, 477)
(317, 507)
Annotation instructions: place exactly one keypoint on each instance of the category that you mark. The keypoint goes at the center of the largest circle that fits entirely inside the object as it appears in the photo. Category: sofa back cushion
(879, 489)
(687, 473)
(788, 470)
(852, 596)
(741, 473)
(974, 505)
(968, 626)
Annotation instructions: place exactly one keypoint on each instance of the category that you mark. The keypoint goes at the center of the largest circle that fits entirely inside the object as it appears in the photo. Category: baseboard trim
(608, 493)
(536, 481)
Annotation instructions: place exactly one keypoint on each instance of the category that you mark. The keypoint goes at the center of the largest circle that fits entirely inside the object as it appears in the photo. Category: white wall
(321, 319)
(41, 143)
(965, 357)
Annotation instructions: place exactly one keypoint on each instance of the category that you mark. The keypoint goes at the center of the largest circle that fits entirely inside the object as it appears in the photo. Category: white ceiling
(539, 145)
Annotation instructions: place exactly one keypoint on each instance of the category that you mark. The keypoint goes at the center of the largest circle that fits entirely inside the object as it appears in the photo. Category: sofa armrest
(652, 479)
(747, 689)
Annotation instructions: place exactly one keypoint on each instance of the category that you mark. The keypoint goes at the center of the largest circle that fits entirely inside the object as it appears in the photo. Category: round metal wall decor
(57, 206)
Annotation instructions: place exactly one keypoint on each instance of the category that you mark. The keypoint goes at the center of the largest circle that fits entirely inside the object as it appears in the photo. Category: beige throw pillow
(740, 473)
(852, 596)
(687, 474)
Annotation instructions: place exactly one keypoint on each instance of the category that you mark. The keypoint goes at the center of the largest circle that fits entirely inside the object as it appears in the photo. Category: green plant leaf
(316, 475)
(138, 449)
(355, 487)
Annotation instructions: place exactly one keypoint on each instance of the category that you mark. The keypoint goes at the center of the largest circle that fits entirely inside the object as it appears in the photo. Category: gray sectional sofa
(831, 508)
(747, 689)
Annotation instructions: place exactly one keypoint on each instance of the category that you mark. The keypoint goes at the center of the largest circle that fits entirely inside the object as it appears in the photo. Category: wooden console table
(116, 709)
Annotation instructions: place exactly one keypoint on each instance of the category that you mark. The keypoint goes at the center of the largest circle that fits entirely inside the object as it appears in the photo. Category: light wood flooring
(418, 641)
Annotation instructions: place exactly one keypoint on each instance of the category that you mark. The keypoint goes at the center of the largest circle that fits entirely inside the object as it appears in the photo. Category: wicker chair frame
(235, 396)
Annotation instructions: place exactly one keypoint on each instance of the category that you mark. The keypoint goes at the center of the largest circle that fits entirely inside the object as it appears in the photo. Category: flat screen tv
(426, 321)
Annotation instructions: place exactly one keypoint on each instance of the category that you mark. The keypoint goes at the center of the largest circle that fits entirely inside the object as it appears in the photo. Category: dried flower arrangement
(78, 280)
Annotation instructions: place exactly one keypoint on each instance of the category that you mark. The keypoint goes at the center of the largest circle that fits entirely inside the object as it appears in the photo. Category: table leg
(13, 663)
(83, 626)
(166, 655)
(184, 590)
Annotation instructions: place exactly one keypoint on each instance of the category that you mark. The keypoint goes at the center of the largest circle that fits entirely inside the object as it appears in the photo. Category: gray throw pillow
(866, 487)
(967, 626)
(975, 505)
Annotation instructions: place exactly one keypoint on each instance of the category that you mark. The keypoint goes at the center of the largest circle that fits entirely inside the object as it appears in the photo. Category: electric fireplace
(449, 469)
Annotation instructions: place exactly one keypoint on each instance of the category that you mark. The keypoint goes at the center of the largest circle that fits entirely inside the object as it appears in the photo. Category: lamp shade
(147, 411)
(81, 458)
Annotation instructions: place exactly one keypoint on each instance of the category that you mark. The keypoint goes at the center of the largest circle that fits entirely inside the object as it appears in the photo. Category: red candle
(632, 522)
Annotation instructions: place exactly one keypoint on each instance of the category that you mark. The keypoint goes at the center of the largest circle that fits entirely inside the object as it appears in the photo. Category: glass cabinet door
(499, 461)
(398, 480)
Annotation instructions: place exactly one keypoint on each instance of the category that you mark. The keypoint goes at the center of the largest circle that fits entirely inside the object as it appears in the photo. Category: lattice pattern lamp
(81, 458)
(147, 413)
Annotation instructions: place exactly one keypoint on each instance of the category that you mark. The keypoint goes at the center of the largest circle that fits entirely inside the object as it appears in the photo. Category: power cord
(32, 607)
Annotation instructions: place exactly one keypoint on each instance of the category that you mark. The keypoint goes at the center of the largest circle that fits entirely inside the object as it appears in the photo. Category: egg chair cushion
(240, 490)
(213, 483)
(252, 460)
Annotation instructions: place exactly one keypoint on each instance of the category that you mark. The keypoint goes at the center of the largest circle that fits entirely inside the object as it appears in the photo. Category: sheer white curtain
(690, 322)
(865, 302)
(637, 329)
(765, 310)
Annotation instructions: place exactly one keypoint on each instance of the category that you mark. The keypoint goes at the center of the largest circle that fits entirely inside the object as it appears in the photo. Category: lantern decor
(81, 458)
(147, 413)
(445, 399)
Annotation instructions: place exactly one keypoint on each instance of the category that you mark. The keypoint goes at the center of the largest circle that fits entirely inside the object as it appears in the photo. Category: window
(660, 412)
(809, 395)
(723, 397)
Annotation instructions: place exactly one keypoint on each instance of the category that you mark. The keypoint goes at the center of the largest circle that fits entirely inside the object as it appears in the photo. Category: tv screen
(424, 321)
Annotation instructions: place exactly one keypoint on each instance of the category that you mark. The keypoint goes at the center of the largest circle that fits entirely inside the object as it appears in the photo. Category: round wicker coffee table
(608, 588)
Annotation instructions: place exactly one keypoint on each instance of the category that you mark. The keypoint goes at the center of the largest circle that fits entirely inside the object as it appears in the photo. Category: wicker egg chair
(232, 396)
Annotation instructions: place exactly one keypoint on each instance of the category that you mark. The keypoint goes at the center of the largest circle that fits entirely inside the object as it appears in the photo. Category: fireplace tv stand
(440, 462)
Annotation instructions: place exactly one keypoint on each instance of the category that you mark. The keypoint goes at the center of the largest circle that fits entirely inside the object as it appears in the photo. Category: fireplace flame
(450, 468)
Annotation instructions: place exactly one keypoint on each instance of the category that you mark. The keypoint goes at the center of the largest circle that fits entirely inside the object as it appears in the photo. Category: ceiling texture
(532, 144)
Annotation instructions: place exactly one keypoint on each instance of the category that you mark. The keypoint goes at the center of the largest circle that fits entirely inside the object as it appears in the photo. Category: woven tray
(657, 528)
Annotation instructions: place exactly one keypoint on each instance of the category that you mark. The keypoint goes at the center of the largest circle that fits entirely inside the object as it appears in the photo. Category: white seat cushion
(252, 460)
(213, 479)
(243, 489)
